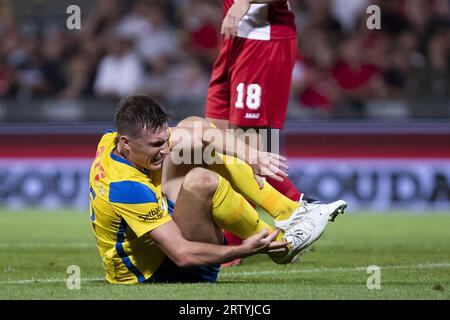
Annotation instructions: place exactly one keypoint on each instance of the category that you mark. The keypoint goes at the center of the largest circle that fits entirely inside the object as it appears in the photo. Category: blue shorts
(169, 272)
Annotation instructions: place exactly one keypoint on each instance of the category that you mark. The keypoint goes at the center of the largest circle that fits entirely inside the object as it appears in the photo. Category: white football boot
(306, 228)
(305, 206)
(296, 215)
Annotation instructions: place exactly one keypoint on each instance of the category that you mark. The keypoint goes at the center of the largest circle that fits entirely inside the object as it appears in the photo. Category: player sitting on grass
(158, 220)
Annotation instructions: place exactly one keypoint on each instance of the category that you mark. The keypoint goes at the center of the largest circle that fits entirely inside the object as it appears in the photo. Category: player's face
(149, 150)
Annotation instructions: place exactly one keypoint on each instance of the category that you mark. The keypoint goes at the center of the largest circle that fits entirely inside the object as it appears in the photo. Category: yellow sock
(232, 212)
(240, 175)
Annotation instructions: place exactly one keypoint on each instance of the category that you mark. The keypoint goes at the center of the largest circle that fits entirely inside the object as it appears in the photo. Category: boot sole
(339, 210)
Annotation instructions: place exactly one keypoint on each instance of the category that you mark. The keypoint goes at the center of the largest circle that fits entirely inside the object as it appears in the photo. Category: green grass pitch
(412, 251)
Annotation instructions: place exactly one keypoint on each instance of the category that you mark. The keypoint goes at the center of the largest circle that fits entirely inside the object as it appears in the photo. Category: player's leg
(255, 138)
(207, 204)
(277, 99)
(240, 175)
(192, 184)
(192, 193)
(193, 206)
(221, 101)
(218, 95)
(263, 138)
(217, 107)
(258, 98)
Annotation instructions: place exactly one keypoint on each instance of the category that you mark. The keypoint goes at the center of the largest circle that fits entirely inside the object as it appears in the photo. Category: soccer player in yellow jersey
(157, 219)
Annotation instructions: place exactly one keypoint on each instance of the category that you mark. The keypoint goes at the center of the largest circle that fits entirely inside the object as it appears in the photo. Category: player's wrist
(253, 155)
(243, 250)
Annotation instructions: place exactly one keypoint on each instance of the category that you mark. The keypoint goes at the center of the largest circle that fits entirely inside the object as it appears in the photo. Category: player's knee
(200, 180)
(192, 122)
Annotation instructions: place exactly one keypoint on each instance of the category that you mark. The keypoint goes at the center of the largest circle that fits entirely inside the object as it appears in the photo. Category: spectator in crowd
(199, 22)
(81, 70)
(136, 23)
(6, 75)
(103, 17)
(347, 12)
(156, 43)
(187, 82)
(312, 80)
(177, 83)
(160, 39)
(120, 71)
(354, 76)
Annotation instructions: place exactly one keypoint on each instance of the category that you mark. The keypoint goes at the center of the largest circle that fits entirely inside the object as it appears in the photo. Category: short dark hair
(137, 112)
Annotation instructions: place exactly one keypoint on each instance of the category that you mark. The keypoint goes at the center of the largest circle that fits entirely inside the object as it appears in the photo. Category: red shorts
(251, 81)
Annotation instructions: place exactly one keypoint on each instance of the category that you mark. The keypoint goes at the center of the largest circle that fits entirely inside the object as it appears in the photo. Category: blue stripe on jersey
(120, 159)
(92, 191)
(109, 131)
(125, 161)
(170, 205)
(125, 259)
(130, 192)
(92, 214)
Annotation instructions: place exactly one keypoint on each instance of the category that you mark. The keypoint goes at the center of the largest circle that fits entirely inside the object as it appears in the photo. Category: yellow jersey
(125, 204)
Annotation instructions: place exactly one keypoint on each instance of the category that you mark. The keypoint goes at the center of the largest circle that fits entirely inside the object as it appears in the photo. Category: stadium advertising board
(373, 171)
(367, 184)
(44, 183)
(376, 184)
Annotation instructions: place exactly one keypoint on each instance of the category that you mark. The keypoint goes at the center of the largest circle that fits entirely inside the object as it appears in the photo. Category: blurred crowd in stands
(166, 48)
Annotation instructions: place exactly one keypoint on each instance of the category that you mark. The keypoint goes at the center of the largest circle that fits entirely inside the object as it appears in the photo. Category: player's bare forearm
(222, 141)
(237, 147)
(197, 253)
(262, 163)
(186, 253)
(198, 136)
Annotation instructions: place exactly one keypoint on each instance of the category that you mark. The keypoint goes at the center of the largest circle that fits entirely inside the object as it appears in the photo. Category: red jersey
(266, 21)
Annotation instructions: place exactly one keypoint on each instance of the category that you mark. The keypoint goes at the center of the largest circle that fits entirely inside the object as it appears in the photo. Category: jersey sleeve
(138, 205)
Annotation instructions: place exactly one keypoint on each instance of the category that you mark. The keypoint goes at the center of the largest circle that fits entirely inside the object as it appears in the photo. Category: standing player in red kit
(251, 78)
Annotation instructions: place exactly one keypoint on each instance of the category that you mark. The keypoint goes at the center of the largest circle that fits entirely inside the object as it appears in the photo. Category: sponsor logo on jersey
(250, 115)
(153, 214)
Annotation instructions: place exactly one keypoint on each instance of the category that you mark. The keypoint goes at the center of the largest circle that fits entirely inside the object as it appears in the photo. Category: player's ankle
(287, 214)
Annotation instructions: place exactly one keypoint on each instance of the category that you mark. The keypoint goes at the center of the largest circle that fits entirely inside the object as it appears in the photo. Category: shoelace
(304, 203)
(306, 207)
(297, 233)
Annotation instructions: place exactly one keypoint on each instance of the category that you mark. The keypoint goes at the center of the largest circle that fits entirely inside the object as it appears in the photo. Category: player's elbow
(183, 259)
(184, 263)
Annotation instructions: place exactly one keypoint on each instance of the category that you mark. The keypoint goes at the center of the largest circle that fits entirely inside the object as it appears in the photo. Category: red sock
(286, 187)
(232, 240)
